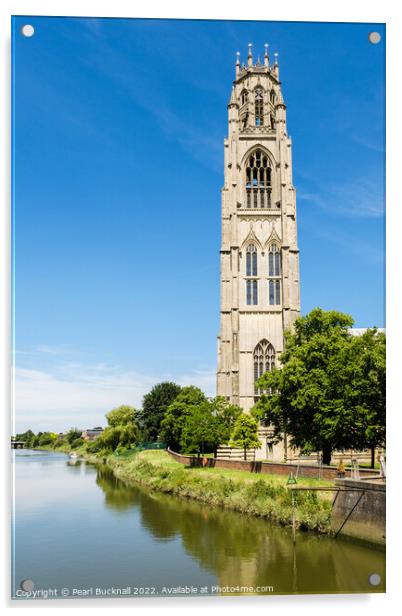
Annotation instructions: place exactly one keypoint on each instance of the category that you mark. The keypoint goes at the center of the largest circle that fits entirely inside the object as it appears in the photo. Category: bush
(59, 442)
(47, 438)
(73, 434)
(78, 442)
(94, 446)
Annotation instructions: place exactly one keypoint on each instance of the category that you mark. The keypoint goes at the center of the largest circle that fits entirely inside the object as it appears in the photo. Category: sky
(118, 128)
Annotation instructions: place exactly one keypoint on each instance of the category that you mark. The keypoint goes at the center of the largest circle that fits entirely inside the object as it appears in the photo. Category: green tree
(361, 378)
(154, 407)
(47, 438)
(208, 425)
(121, 415)
(122, 430)
(317, 395)
(35, 441)
(27, 437)
(200, 433)
(226, 414)
(77, 443)
(73, 434)
(189, 398)
(245, 433)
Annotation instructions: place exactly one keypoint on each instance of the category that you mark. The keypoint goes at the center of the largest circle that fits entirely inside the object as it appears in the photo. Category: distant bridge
(17, 444)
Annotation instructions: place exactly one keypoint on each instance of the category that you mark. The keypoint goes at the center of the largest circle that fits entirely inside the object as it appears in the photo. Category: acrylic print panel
(156, 178)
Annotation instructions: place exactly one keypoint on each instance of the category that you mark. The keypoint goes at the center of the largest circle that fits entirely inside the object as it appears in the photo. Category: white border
(291, 10)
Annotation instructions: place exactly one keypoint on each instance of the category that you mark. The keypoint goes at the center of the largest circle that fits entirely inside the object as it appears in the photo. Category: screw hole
(27, 30)
(374, 37)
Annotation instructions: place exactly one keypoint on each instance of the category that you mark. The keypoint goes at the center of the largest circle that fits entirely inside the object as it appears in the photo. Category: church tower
(260, 295)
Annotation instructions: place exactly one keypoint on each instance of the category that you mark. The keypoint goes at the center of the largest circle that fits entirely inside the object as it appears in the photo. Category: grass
(257, 494)
(261, 495)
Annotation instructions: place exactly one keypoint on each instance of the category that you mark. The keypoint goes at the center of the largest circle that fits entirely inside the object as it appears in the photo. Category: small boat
(73, 456)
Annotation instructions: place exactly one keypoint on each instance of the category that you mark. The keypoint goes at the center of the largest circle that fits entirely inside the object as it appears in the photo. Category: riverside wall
(275, 468)
(359, 510)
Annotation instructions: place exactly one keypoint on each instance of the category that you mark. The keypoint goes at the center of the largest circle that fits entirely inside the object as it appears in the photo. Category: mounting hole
(374, 37)
(374, 579)
(27, 30)
(27, 585)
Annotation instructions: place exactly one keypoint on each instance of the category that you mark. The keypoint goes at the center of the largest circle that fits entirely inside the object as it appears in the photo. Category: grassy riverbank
(259, 495)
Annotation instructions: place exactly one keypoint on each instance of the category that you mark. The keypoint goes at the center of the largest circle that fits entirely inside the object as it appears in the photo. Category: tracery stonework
(260, 295)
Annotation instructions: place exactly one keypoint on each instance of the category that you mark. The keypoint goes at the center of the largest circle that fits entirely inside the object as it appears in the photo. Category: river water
(80, 532)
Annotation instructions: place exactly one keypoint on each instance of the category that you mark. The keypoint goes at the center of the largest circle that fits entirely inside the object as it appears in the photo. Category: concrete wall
(367, 520)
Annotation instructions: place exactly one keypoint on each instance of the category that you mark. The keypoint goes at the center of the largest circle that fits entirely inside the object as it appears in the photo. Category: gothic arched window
(259, 106)
(251, 260)
(274, 273)
(244, 97)
(272, 97)
(258, 180)
(263, 361)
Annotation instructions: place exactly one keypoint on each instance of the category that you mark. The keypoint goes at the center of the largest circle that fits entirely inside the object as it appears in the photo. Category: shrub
(78, 442)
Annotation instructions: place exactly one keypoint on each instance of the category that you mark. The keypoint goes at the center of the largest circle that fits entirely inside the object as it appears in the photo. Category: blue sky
(118, 152)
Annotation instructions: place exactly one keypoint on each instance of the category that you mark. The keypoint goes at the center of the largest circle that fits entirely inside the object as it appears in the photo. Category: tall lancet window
(258, 180)
(252, 292)
(274, 274)
(263, 360)
(251, 261)
(251, 270)
(259, 106)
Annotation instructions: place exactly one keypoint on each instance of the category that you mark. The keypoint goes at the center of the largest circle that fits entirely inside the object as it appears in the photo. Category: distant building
(92, 433)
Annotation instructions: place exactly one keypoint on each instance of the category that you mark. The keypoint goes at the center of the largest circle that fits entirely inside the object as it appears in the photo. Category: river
(80, 532)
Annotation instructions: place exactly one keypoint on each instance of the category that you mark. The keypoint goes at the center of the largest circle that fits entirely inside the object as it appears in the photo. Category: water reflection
(246, 551)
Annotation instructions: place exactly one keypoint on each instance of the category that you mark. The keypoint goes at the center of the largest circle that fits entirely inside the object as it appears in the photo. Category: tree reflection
(118, 495)
(242, 550)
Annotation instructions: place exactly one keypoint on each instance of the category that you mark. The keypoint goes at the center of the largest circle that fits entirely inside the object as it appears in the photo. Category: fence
(276, 468)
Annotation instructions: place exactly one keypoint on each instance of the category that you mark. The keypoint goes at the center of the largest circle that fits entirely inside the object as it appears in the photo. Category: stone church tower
(259, 255)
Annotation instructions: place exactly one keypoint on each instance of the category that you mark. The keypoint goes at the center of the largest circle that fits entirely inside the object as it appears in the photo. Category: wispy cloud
(202, 141)
(372, 144)
(359, 198)
(349, 243)
(55, 350)
(76, 393)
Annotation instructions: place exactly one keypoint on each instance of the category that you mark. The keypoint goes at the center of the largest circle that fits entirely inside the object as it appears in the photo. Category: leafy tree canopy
(154, 408)
(208, 425)
(226, 415)
(200, 433)
(73, 434)
(25, 436)
(329, 391)
(245, 433)
(188, 400)
(47, 438)
(121, 415)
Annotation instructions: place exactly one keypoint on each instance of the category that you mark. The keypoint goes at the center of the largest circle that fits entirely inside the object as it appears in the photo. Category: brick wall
(276, 468)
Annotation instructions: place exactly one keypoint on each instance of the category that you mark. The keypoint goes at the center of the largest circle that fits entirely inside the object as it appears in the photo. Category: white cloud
(204, 379)
(77, 394)
(355, 199)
